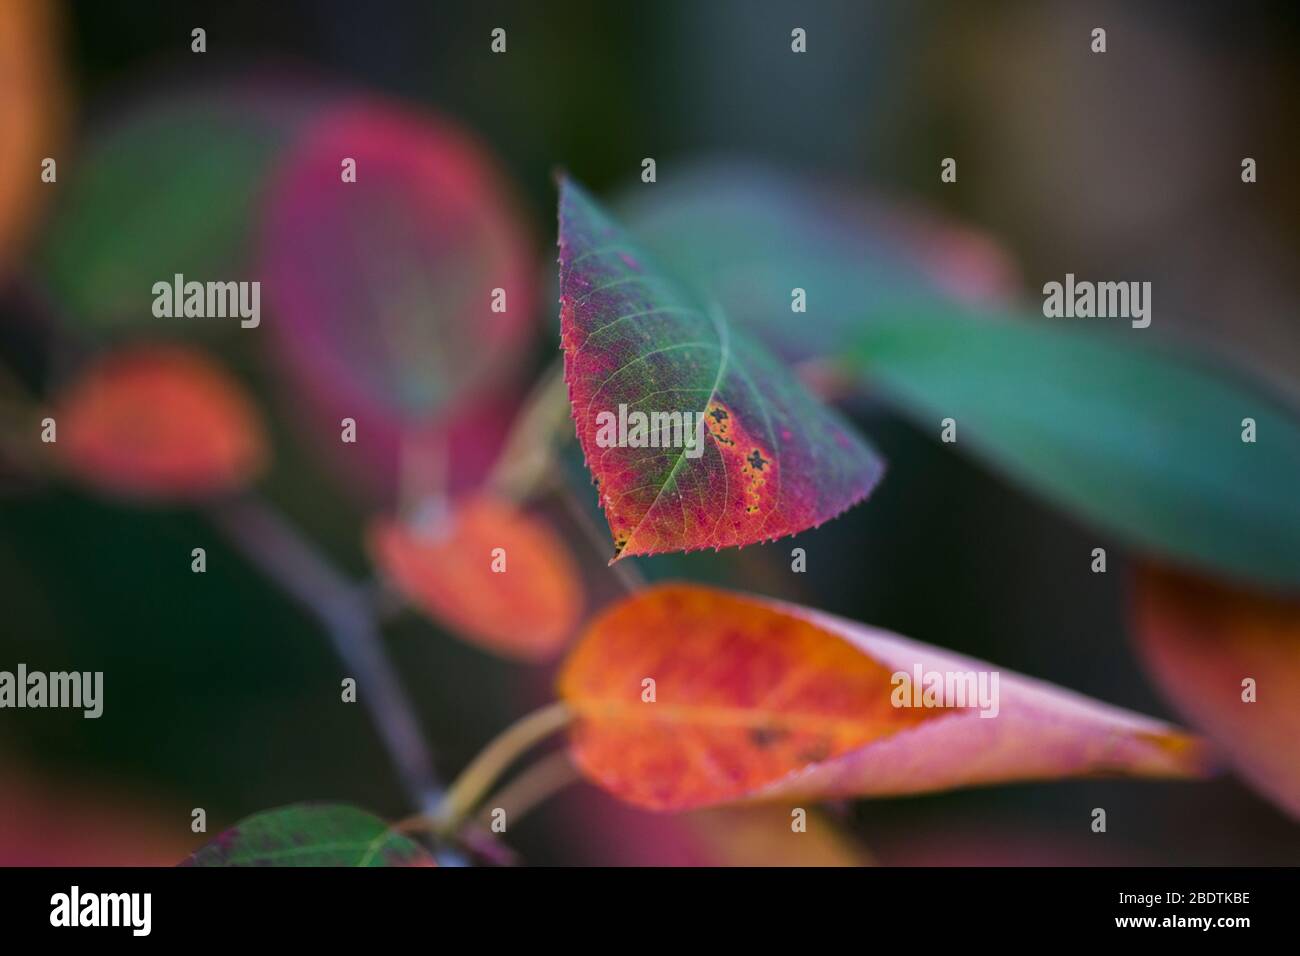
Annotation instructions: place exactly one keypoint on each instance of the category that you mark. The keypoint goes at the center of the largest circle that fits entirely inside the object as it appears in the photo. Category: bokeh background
(222, 693)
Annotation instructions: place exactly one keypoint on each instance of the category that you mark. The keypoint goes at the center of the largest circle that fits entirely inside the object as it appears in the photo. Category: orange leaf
(159, 422)
(445, 568)
(758, 699)
(84, 821)
(32, 112)
(602, 831)
(763, 836)
(1201, 639)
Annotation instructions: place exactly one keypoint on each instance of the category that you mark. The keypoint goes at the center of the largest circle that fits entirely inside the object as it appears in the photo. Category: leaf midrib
(721, 716)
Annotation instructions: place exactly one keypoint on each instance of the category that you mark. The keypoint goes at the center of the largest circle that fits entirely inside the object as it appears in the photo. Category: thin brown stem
(626, 573)
(526, 461)
(531, 787)
(469, 788)
(267, 540)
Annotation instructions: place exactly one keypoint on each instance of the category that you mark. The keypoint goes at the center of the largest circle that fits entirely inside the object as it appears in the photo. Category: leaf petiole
(473, 784)
(534, 785)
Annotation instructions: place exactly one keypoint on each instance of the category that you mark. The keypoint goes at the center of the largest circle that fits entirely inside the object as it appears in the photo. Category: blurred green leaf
(307, 834)
(1141, 442)
(746, 236)
(170, 188)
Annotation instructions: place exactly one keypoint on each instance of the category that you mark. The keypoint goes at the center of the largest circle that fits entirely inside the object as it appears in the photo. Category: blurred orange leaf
(757, 699)
(603, 831)
(763, 836)
(1201, 640)
(160, 423)
(527, 608)
(32, 110)
(81, 821)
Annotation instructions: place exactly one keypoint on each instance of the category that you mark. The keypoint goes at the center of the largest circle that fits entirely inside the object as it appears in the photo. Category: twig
(267, 540)
(526, 464)
(627, 574)
(469, 788)
(527, 455)
(531, 787)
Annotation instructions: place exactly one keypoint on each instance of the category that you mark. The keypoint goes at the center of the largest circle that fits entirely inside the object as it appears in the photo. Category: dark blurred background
(222, 694)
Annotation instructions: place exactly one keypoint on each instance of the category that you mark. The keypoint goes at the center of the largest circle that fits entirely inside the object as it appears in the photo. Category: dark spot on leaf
(764, 737)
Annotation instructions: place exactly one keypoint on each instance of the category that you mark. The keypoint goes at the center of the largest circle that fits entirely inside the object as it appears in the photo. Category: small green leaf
(311, 834)
(1142, 442)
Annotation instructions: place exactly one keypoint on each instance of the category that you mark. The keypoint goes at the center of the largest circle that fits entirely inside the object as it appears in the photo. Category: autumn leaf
(603, 831)
(523, 601)
(767, 461)
(307, 834)
(765, 835)
(83, 821)
(1228, 658)
(33, 107)
(160, 423)
(383, 284)
(755, 699)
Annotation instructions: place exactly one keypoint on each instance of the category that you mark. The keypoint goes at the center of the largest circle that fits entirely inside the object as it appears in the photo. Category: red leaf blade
(771, 460)
(1201, 639)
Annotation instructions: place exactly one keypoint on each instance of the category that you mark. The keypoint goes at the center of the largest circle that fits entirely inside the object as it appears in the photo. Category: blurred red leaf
(159, 422)
(84, 822)
(383, 287)
(757, 699)
(443, 565)
(1201, 639)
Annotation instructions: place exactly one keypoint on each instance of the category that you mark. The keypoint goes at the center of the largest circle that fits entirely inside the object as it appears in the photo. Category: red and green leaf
(774, 461)
(307, 834)
(756, 699)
